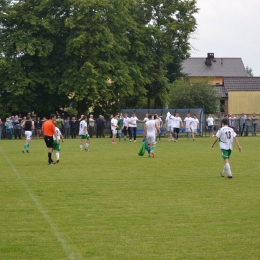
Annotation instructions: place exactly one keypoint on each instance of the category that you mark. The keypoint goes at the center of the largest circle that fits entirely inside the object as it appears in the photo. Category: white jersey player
(225, 136)
(150, 128)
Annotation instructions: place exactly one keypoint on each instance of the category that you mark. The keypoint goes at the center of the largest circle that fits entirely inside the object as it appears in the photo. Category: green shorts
(84, 136)
(226, 153)
(56, 145)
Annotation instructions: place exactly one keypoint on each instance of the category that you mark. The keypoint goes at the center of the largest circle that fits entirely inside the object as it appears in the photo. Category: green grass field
(110, 203)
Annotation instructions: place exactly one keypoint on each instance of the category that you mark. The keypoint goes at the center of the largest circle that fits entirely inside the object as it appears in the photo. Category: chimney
(209, 59)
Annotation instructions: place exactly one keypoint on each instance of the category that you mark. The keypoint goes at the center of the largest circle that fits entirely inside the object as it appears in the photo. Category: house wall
(212, 80)
(244, 101)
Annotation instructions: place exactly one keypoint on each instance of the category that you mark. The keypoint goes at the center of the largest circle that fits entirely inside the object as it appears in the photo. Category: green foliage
(194, 93)
(101, 54)
(249, 71)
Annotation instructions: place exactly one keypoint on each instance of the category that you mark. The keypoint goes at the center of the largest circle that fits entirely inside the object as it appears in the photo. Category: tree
(33, 40)
(188, 93)
(169, 24)
(249, 72)
(100, 54)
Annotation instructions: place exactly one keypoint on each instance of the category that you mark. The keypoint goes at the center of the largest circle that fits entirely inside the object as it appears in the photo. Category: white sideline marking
(40, 208)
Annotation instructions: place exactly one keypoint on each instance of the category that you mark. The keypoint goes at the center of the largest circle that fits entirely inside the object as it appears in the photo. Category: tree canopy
(99, 55)
(191, 93)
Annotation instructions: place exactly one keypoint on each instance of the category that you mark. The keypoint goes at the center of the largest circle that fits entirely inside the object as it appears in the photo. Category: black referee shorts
(49, 141)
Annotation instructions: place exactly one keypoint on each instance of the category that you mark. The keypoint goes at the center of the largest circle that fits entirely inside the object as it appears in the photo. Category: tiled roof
(238, 84)
(242, 82)
(221, 67)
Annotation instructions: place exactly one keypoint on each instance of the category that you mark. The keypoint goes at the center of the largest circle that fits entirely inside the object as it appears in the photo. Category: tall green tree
(98, 54)
(170, 22)
(32, 47)
(188, 93)
(100, 73)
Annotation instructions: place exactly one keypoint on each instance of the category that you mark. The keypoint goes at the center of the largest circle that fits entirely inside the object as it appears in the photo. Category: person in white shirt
(210, 121)
(158, 121)
(194, 126)
(151, 129)
(114, 126)
(177, 123)
(188, 119)
(83, 133)
(125, 125)
(146, 118)
(133, 126)
(170, 121)
(56, 143)
(225, 136)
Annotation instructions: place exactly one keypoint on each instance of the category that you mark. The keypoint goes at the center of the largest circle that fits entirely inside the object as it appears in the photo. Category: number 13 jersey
(226, 136)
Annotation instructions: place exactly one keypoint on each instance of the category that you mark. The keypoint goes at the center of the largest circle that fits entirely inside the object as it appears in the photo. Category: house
(237, 91)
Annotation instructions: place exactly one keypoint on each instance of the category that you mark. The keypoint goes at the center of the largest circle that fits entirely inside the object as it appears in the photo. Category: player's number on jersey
(228, 134)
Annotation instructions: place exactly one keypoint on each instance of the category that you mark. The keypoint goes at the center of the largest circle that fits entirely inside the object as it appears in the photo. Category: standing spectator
(7, 133)
(247, 124)
(111, 133)
(254, 124)
(63, 124)
(11, 127)
(59, 123)
(232, 122)
(67, 127)
(22, 128)
(43, 121)
(215, 122)
(1, 125)
(104, 128)
(38, 127)
(91, 125)
(17, 128)
(210, 121)
(33, 130)
(242, 123)
(49, 131)
(100, 126)
(73, 127)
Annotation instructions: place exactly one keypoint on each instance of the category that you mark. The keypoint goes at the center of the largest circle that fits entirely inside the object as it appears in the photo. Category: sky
(229, 29)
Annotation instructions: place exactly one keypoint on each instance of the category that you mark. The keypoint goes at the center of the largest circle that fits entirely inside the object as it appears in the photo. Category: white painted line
(55, 231)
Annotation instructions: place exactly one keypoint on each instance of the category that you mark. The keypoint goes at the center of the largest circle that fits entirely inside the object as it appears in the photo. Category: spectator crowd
(10, 128)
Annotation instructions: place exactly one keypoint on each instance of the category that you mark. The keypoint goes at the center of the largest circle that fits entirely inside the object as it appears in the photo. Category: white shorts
(28, 135)
(193, 130)
(151, 138)
(113, 129)
(188, 130)
(170, 128)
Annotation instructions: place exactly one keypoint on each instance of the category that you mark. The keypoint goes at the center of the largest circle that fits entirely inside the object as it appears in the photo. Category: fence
(203, 130)
(247, 128)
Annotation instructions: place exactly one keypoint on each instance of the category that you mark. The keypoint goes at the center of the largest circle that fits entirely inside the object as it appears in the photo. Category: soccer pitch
(110, 203)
